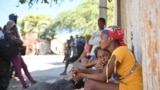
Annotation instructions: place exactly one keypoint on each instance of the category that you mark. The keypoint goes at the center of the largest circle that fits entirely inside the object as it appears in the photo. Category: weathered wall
(142, 17)
(129, 22)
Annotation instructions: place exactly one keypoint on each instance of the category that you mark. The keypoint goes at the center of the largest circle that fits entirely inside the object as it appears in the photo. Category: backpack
(8, 48)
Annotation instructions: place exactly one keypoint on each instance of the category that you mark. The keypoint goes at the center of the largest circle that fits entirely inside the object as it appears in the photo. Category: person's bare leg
(66, 66)
(95, 85)
(64, 59)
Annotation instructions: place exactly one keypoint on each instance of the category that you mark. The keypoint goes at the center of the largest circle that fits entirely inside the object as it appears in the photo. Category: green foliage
(22, 1)
(32, 2)
(49, 32)
(34, 23)
(81, 18)
(45, 1)
(84, 18)
(110, 12)
(22, 29)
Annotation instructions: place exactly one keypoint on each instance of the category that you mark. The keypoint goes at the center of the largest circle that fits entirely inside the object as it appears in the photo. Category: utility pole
(103, 9)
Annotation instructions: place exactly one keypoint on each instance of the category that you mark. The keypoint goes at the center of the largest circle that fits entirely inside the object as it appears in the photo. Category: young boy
(102, 57)
(96, 65)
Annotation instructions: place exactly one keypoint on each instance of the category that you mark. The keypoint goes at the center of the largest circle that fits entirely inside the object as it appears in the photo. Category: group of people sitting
(106, 63)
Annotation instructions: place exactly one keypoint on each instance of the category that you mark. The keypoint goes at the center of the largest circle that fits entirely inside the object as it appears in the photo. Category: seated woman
(122, 62)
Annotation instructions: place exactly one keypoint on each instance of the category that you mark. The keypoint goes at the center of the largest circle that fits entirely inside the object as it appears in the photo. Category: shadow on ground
(48, 75)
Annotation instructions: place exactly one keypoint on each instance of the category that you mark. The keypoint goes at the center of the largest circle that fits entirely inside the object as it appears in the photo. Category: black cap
(13, 17)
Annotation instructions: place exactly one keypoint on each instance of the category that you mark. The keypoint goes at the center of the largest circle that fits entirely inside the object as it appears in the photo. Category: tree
(32, 2)
(35, 25)
(49, 32)
(84, 18)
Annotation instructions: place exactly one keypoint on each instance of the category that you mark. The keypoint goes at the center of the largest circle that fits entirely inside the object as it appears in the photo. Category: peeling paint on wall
(142, 17)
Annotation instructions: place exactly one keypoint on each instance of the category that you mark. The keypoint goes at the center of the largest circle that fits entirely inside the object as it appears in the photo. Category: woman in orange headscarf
(122, 63)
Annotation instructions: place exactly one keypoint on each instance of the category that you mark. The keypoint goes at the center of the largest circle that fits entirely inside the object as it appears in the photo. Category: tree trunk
(103, 8)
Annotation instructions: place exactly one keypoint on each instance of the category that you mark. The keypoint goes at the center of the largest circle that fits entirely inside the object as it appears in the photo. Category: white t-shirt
(95, 40)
